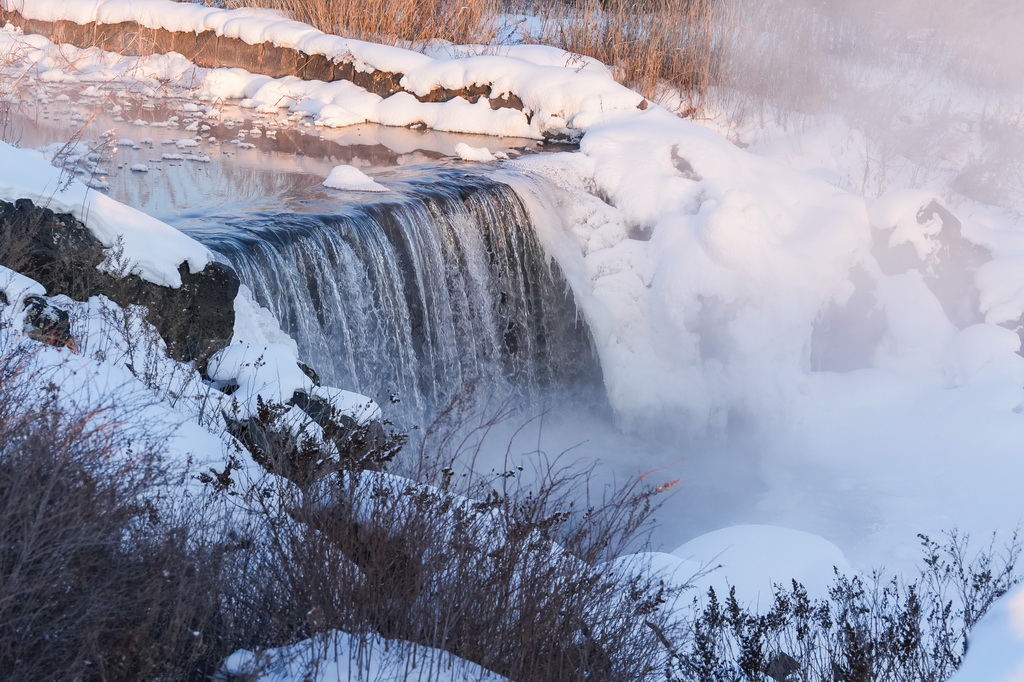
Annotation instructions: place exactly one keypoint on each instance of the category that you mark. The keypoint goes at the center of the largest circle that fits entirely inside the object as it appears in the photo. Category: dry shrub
(651, 45)
(507, 574)
(97, 580)
(868, 628)
(396, 22)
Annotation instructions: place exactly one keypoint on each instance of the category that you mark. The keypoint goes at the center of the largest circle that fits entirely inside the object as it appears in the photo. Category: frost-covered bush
(866, 630)
(99, 579)
(510, 575)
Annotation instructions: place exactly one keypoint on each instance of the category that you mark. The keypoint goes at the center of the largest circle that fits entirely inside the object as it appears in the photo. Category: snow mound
(353, 657)
(467, 153)
(335, 116)
(753, 558)
(996, 650)
(352, 179)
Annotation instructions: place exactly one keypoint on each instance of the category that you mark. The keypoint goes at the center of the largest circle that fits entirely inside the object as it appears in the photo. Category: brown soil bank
(209, 50)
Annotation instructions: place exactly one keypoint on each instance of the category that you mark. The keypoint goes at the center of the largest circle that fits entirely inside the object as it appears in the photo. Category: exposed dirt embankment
(209, 50)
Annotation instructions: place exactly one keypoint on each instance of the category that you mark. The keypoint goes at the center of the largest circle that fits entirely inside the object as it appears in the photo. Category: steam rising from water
(935, 86)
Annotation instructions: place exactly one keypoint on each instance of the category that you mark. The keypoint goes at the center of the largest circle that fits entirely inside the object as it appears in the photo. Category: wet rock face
(61, 254)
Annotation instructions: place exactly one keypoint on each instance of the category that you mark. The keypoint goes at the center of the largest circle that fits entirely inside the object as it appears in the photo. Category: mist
(931, 90)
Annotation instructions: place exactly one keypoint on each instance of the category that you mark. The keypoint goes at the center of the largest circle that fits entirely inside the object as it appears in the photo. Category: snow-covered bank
(552, 96)
(996, 652)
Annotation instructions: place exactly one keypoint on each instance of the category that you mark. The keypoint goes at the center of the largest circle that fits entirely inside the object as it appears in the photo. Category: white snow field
(728, 288)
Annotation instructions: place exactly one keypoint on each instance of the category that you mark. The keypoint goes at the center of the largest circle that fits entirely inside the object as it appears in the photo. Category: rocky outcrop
(948, 268)
(60, 253)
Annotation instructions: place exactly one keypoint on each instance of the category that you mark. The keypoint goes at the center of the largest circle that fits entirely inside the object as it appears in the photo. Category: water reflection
(173, 158)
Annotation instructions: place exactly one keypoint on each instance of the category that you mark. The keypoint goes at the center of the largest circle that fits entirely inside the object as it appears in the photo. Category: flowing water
(422, 295)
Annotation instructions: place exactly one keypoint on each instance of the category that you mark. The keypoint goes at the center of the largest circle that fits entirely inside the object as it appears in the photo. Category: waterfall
(416, 293)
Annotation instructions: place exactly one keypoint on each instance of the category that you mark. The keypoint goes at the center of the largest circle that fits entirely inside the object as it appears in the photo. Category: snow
(995, 651)
(270, 373)
(555, 89)
(255, 324)
(354, 658)
(15, 286)
(352, 179)
(167, 406)
(467, 153)
(755, 558)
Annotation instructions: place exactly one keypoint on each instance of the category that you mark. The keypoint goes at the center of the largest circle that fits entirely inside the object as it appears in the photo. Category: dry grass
(652, 46)
(396, 22)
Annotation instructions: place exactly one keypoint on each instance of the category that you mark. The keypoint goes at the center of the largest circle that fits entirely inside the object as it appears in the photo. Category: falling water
(418, 294)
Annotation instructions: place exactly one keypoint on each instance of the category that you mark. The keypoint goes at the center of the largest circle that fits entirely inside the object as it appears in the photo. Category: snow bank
(166, 406)
(151, 249)
(554, 94)
(14, 287)
(340, 656)
(996, 644)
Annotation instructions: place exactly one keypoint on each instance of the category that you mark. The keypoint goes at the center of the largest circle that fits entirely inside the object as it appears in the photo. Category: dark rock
(197, 318)
(309, 372)
(948, 270)
(275, 447)
(781, 667)
(845, 336)
(301, 458)
(60, 253)
(360, 446)
(47, 323)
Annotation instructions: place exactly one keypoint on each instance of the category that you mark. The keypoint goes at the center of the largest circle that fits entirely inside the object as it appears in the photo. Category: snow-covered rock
(467, 153)
(150, 248)
(352, 179)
